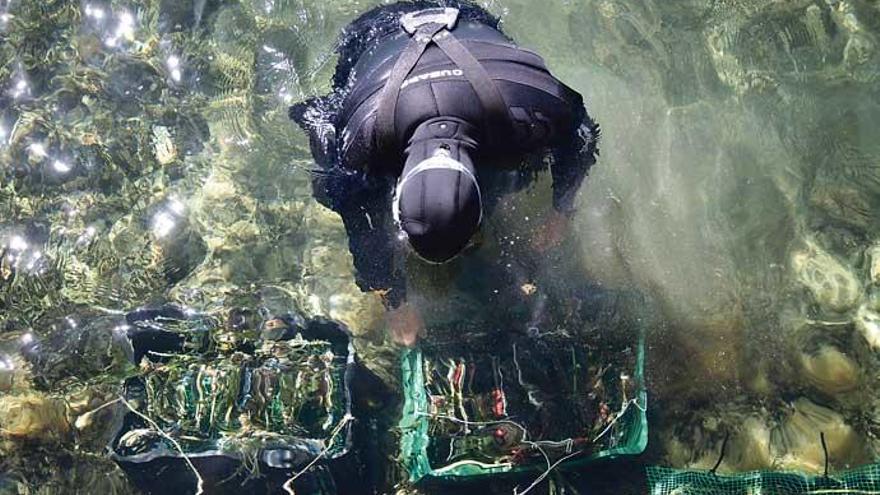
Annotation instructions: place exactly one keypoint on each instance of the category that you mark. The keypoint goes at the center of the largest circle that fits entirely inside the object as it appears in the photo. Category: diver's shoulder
(369, 29)
(387, 17)
(380, 22)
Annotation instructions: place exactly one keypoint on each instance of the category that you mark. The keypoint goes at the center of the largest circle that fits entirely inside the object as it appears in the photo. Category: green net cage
(513, 404)
(273, 392)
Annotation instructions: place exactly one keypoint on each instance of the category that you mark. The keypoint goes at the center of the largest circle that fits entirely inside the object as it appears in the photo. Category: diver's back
(540, 106)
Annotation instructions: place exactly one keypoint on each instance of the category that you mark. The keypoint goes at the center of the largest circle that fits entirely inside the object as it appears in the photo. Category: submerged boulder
(33, 418)
(868, 324)
(830, 370)
(833, 285)
(797, 446)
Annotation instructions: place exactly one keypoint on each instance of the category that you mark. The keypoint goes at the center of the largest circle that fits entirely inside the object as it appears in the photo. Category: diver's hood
(438, 205)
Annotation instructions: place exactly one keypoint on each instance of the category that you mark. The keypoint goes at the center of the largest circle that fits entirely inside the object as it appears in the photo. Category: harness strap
(385, 125)
(435, 27)
(496, 110)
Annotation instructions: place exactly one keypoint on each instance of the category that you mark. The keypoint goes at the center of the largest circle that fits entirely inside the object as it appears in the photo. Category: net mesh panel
(628, 435)
(668, 481)
(290, 392)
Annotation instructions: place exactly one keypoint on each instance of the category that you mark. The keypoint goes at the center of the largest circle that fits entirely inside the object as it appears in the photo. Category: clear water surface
(146, 157)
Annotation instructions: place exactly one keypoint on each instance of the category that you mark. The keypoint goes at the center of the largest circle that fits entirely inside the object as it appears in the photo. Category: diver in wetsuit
(435, 114)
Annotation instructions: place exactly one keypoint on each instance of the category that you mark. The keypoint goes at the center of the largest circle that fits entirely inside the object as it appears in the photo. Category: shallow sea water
(146, 158)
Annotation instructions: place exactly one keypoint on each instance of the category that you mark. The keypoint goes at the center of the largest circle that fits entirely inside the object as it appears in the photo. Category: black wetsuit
(544, 124)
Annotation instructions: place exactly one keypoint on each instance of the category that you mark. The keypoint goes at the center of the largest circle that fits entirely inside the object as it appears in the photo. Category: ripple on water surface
(146, 159)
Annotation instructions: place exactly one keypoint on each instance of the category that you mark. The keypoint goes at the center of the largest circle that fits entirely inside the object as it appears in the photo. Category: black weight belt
(494, 107)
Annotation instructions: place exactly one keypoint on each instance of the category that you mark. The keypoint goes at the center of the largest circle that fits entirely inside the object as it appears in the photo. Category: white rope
(288, 485)
(474, 423)
(200, 483)
(546, 473)
(618, 416)
(568, 443)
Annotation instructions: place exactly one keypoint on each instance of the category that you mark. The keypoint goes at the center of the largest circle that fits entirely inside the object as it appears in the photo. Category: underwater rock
(223, 213)
(7, 377)
(328, 288)
(868, 324)
(177, 248)
(278, 67)
(33, 418)
(177, 15)
(9, 486)
(131, 260)
(796, 443)
(125, 74)
(749, 447)
(15, 374)
(138, 441)
(218, 188)
(757, 380)
(99, 475)
(360, 312)
(338, 298)
(163, 145)
(46, 471)
(704, 359)
(697, 446)
(873, 255)
(96, 416)
(676, 452)
(830, 370)
(76, 473)
(79, 349)
(243, 232)
(860, 46)
(832, 284)
(322, 258)
(860, 49)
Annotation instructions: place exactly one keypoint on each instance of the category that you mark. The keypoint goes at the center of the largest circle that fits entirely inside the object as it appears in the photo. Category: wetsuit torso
(438, 105)
(542, 108)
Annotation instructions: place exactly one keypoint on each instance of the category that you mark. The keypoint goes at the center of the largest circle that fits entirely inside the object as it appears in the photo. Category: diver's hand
(405, 324)
(551, 232)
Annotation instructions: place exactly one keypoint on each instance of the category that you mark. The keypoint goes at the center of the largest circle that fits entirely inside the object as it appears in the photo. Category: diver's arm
(572, 161)
(365, 207)
(315, 117)
(364, 203)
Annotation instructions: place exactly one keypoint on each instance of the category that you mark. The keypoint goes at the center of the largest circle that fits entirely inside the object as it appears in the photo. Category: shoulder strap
(385, 127)
(491, 99)
(427, 27)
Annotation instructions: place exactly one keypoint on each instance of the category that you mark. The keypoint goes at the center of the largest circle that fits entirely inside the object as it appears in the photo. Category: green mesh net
(667, 481)
(224, 395)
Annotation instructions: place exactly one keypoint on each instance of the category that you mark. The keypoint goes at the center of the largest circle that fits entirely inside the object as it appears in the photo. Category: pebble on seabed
(32, 417)
(830, 370)
(750, 446)
(833, 285)
(163, 145)
(797, 446)
(868, 324)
